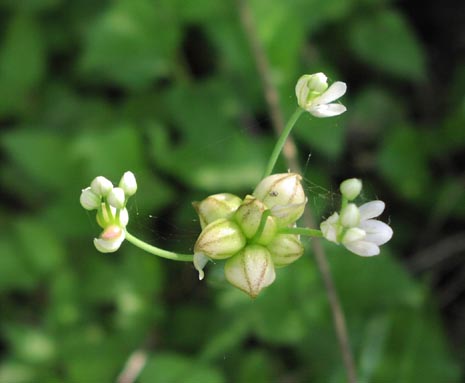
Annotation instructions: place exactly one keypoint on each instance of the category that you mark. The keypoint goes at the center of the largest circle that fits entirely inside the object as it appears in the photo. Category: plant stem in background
(289, 152)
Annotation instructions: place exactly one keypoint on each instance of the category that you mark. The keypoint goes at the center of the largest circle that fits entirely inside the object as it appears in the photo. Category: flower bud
(284, 195)
(249, 217)
(350, 215)
(310, 86)
(351, 188)
(110, 240)
(353, 234)
(331, 228)
(101, 186)
(250, 270)
(89, 200)
(216, 206)
(220, 239)
(285, 249)
(128, 184)
(116, 198)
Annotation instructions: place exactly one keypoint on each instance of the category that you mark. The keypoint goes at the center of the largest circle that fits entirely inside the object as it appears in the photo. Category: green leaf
(403, 162)
(14, 271)
(22, 63)
(12, 371)
(173, 368)
(386, 41)
(257, 367)
(39, 154)
(132, 43)
(41, 249)
(31, 345)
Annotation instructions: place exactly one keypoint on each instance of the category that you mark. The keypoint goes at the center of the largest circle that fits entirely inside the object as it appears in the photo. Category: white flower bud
(216, 206)
(285, 249)
(331, 228)
(350, 215)
(110, 240)
(353, 234)
(123, 217)
(128, 184)
(101, 186)
(310, 86)
(251, 270)
(117, 198)
(89, 200)
(284, 195)
(220, 239)
(249, 217)
(351, 188)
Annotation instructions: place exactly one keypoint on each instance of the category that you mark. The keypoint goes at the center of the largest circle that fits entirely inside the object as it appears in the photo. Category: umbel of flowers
(250, 233)
(256, 234)
(110, 204)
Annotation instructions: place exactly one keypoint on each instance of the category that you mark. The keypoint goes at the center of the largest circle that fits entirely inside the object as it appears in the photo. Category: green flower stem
(344, 202)
(302, 231)
(261, 227)
(281, 141)
(157, 251)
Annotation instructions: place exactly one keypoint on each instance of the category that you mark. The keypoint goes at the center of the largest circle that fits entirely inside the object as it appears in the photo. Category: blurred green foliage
(169, 90)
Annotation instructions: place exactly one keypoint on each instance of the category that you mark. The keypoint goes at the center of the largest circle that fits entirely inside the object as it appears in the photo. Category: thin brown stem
(290, 154)
(133, 367)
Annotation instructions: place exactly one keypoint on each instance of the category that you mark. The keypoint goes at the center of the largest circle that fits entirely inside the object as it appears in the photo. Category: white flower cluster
(354, 226)
(110, 203)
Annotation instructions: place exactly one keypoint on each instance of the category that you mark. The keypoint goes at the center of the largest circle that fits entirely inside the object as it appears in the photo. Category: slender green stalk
(261, 227)
(157, 251)
(282, 140)
(302, 231)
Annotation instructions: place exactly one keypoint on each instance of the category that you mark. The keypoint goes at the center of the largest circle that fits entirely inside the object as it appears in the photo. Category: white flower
(110, 240)
(315, 97)
(363, 239)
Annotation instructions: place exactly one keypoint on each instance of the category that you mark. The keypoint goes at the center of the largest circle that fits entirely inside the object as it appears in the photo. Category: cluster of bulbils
(248, 232)
(110, 203)
(255, 235)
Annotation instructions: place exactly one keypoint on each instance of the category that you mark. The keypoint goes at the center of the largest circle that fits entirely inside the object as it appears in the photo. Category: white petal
(371, 209)
(301, 90)
(327, 110)
(330, 227)
(354, 234)
(363, 248)
(335, 91)
(123, 217)
(377, 232)
(200, 260)
(107, 246)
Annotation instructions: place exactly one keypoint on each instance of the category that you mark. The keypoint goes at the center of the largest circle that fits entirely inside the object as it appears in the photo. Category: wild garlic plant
(257, 234)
